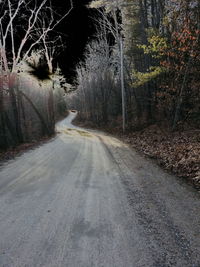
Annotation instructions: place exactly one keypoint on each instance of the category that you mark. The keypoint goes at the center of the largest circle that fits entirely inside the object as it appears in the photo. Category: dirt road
(85, 199)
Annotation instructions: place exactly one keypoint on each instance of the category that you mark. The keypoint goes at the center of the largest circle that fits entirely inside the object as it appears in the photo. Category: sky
(78, 28)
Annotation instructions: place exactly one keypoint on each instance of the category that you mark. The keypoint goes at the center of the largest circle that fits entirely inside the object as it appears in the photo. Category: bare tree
(96, 82)
(25, 27)
(38, 20)
(109, 22)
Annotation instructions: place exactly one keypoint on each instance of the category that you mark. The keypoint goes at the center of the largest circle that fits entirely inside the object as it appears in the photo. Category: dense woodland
(152, 48)
(32, 90)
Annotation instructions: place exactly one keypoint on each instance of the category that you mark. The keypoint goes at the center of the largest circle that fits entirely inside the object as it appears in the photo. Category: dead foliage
(177, 152)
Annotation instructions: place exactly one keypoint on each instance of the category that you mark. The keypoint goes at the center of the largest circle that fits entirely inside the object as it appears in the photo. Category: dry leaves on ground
(178, 152)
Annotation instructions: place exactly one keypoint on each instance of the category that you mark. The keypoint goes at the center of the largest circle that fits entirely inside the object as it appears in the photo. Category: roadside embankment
(177, 152)
(12, 152)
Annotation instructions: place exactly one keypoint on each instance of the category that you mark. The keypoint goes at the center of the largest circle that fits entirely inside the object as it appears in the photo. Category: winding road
(85, 199)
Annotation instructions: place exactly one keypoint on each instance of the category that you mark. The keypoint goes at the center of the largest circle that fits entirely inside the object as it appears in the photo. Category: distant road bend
(86, 199)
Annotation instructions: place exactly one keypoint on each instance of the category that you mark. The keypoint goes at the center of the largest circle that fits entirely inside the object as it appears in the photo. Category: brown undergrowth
(177, 152)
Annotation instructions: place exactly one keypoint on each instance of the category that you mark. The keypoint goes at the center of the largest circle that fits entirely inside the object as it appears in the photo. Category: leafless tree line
(96, 83)
(158, 67)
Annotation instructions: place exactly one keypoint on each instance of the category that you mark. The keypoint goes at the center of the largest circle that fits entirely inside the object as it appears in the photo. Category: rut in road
(86, 199)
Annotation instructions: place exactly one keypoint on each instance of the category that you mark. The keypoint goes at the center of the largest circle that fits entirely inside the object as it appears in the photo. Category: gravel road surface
(85, 199)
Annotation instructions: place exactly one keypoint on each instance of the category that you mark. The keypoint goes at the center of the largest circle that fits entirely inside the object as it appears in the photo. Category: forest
(32, 89)
(161, 61)
(140, 76)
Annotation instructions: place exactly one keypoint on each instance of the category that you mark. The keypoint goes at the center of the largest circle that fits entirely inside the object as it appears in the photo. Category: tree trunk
(3, 137)
(13, 98)
(45, 126)
(51, 112)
